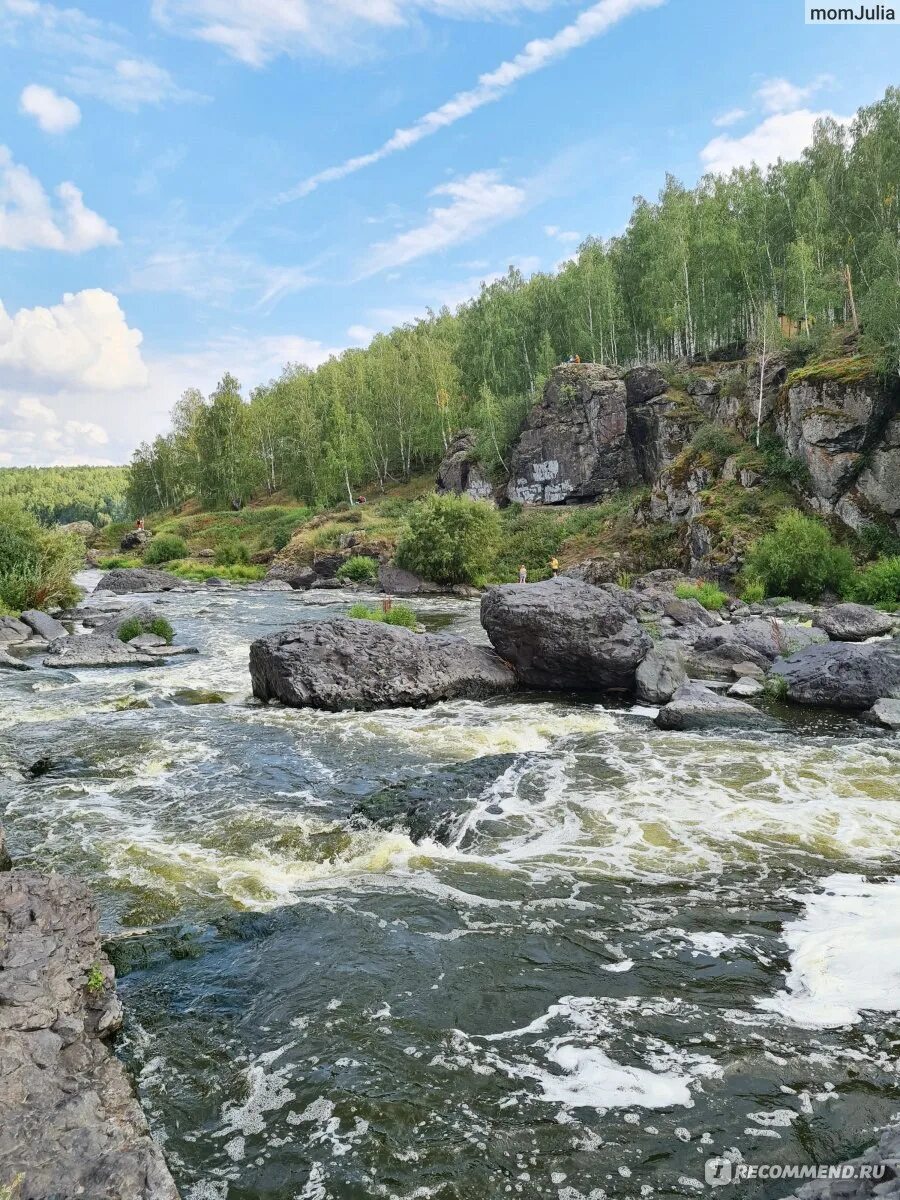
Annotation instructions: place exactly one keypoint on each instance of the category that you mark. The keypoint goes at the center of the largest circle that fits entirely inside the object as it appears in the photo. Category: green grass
(360, 568)
(754, 592)
(134, 627)
(95, 980)
(878, 583)
(711, 597)
(200, 572)
(398, 614)
(117, 562)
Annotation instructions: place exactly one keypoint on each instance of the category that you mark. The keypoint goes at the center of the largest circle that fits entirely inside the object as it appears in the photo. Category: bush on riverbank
(165, 548)
(450, 539)
(36, 564)
(878, 583)
(360, 568)
(800, 559)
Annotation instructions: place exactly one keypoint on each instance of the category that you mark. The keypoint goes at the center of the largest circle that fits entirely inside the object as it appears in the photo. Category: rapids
(640, 950)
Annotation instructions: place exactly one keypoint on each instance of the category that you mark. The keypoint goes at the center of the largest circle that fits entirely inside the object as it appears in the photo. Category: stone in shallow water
(886, 713)
(697, 707)
(842, 674)
(854, 622)
(95, 650)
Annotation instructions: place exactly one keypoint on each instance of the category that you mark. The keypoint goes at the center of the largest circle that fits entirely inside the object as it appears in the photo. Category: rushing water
(642, 949)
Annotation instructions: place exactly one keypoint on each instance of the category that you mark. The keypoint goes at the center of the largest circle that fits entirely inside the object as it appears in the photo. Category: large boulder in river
(43, 624)
(697, 707)
(660, 674)
(767, 636)
(297, 575)
(70, 1124)
(96, 650)
(13, 631)
(461, 471)
(397, 581)
(125, 580)
(842, 674)
(347, 663)
(575, 444)
(854, 622)
(564, 635)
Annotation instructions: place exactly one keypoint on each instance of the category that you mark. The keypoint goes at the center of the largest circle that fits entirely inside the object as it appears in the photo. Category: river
(642, 949)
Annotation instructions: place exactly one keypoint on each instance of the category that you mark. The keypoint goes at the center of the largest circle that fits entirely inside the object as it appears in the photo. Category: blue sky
(181, 192)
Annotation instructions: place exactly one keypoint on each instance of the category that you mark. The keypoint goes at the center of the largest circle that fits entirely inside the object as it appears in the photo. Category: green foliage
(711, 597)
(779, 464)
(95, 980)
(716, 441)
(754, 592)
(117, 562)
(775, 687)
(624, 579)
(131, 628)
(397, 614)
(59, 495)
(134, 627)
(878, 583)
(450, 539)
(799, 558)
(161, 627)
(232, 554)
(198, 572)
(36, 564)
(359, 568)
(164, 548)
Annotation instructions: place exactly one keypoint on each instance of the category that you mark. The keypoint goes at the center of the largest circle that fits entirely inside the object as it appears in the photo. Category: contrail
(540, 53)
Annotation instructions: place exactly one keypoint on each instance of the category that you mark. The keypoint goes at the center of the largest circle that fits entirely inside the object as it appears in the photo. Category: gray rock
(719, 661)
(771, 637)
(273, 585)
(349, 664)
(460, 470)
(332, 584)
(643, 384)
(396, 581)
(110, 626)
(82, 529)
(660, 674)
(69, 1121)
(135, 539)
(124, 581)
(690, 612)
(696, 707)
(43, 625)
(883, 1180)
(842, 674)
(13, 630)
(748, 670)
(575, 443)
(885, 712)
(95, 650)
(564, 635)
(746, 688)
(798, 608)
(165, 651)
(299, 577)
(215, 581)
(5, 860)
(9, 662)
(146, 641)
(853, 622)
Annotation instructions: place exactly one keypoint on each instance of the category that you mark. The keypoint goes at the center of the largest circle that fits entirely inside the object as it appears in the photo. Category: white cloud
(128, 83)
(83, 342)
(361, 334)
(537, 54)
(477, 202)
(566, 236)
(29, 220)
(729, 118)
(255, 31)
(780, 95)
(783, 135)
(215, 275)
(53, 113)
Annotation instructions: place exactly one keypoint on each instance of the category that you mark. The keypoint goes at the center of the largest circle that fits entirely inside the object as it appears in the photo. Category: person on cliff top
(139, 524)
(523, 573)
(554, 566)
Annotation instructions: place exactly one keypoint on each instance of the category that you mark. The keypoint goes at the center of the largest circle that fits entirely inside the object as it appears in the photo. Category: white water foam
(845, 955)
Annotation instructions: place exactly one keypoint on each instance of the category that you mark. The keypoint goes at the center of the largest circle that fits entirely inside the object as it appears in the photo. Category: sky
(189, 187)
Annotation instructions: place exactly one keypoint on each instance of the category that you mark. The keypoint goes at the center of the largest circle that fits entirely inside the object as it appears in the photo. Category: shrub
(754, 592)
(799, 558)
(161, 627)
(779, 464)
(398, 614)
(134, 627)
(716, 441)
(708, 594)
(450, 539)
(118, 561)
(36, 564)
(165, 548)
(359, 568)
(232, 554)
(129, 629)
(878, 583)
(200, 572)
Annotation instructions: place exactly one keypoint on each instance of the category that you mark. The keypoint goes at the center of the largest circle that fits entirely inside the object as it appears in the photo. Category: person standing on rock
(523, 573)
(554, 566)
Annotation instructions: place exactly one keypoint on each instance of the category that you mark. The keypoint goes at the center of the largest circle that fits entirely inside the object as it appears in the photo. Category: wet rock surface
(124, 580)
(69, 1122)
(854, 622)
(697, 707)
(842, 674)
(95, 650)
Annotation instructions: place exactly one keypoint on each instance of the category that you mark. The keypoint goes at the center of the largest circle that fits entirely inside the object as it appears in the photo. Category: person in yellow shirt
(554, 566)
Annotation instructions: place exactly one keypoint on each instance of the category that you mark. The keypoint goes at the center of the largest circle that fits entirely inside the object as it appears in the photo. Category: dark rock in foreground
(842, 674)
(69, 1122)
(697, 707)
(854, 622)
(350, 664)
(564, 635)
(125, 580)
(883, 1180)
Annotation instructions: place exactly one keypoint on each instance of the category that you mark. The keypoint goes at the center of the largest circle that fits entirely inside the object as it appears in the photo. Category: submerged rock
(842, 674)
(96, 650)
(125, 580)
(564, 635)
(437, 806)
(69, 1121)
(697, 707)
(349, 664)
(854, 622)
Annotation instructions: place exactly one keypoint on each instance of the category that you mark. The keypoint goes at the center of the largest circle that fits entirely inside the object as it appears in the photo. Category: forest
(708, 270)
(58, 495)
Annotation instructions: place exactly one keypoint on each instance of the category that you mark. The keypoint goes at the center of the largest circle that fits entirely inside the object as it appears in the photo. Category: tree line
(58, 495)
(814, 242)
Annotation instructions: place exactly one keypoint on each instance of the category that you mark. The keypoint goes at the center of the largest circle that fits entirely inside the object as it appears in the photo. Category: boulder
(332, 584)
(643, 384)
(461, 472)
(850, 622)
(575, 444)
(886, 713)
(110, 625)
(95, 650)
(396, 581)
(767, 636)
(350, 664)
(135, 539)
(746, 688)
(660, 674)
(299, 577)
(43, 625)
(12, 631)
(720, 660)
(9, 662)
(82, 529)
(850, 675)
(747, 670)
(70, 1123)
(697, 707)
(273, 585)
(690, 612)
(125, 581)
(146, 641)
(564, 635)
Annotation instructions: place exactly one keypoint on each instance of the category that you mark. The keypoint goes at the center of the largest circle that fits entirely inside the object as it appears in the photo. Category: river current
(641, 950)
